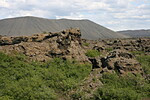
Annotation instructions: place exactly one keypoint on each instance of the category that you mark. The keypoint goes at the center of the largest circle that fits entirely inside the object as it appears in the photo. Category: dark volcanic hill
(25, 26)
(136, 33)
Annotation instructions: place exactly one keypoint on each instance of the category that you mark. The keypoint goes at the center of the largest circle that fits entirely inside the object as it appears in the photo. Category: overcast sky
(113, 14)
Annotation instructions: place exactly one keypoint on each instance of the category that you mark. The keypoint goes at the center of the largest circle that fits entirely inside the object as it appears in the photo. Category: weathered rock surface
(137, 44)
(41, 47)
(96, 62)
(132, 45)
(121, 61)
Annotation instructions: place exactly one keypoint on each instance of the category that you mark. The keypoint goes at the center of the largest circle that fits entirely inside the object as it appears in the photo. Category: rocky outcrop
(65, 44)
(68, 44)
(96, 62)
(136, 44)
(122, 62)
(34, 38)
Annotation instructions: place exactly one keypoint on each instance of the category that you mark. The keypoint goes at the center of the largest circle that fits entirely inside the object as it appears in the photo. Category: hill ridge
(29, 25)
(136, 33)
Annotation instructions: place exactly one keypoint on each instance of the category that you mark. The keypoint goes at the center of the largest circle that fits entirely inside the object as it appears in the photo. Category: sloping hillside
(136, 33)
(23, 26)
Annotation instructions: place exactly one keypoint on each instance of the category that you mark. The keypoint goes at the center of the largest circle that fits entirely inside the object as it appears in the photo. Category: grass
(86, 44)
(92, 53)
(137, 52)
(109, 49)
(21, 79)
(129, 87)
(145, 62)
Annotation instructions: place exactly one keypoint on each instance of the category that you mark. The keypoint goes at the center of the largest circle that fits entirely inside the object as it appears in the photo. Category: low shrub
(145, 62)
(85, 44)
(77, 95)
(137, 52)
(25, 80)
(92, 53)
(129, 87)
(109, 49)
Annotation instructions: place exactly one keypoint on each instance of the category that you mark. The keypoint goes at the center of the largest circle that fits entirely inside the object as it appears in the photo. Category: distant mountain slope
(21, 26)
(136, 33)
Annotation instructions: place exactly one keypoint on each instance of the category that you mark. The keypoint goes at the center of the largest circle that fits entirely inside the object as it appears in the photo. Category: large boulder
(122, 62)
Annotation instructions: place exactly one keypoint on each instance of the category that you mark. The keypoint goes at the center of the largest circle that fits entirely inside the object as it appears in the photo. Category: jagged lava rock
(122, 62)
(65, 44)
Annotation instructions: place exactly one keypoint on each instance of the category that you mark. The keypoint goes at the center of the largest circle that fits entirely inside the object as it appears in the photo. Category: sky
(113, 14)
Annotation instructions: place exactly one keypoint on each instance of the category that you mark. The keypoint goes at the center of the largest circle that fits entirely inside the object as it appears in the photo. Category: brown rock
(96, 62)
(121, 61)
(41, 47)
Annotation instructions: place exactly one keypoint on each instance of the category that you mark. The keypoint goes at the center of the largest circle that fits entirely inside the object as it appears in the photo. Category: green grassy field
(129, 87)
(21, 79)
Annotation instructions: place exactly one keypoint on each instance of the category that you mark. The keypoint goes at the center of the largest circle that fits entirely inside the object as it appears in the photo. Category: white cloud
(72, 16)
(3, 3)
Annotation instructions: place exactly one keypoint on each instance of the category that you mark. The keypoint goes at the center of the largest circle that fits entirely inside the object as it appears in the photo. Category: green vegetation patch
(137, 52)
(86, 44)
(92, 53)
(24, 80)
(145, 62)
(129, 87)
(109, 49)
